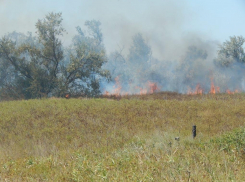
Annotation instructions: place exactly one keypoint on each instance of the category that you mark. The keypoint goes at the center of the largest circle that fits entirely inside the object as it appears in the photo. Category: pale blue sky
(219, 18)
(158, 20)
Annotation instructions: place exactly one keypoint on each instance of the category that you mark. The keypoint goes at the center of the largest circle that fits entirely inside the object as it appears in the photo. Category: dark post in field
(194, 131)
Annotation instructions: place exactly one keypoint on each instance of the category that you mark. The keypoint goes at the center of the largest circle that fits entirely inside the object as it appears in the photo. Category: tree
(230, 62)
(231, 52)
(139, 61)
(14, 69)
(139, 52)
(42, 67)
(192, 69)
(86, 57)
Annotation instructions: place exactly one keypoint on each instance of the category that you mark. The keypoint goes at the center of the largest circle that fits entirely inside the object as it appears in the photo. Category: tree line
(41, 66)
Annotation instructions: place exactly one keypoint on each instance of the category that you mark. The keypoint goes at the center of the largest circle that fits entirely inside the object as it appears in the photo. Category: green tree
(42, 67)
(231, 52)
(86, 57)
(14, 69)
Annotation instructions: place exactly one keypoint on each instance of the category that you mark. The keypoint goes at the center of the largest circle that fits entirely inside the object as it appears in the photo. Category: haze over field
(213, 20)
(177, 40)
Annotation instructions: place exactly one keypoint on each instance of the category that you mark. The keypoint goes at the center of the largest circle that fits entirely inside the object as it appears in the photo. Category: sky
(161, 22)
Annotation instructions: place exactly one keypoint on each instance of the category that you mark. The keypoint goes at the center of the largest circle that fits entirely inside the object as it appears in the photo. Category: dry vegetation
(131, 138)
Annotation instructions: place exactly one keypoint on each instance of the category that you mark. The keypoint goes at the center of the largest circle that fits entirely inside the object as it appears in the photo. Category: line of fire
(151, 87)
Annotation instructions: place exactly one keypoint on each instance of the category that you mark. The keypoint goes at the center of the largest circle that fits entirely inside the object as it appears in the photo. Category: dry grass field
(130, 138)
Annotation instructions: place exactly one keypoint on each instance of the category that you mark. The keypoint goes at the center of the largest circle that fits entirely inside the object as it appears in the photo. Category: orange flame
(198, 90)
(212, 88)
(67, 96)
(153, 87)
(117, 87)
(218, 89)
(107, 93)
(230, 92)
(142, 90)
(150, 87)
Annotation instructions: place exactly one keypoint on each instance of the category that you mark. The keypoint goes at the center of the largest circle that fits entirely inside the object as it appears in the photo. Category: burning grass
(127, 139)
(153, 88)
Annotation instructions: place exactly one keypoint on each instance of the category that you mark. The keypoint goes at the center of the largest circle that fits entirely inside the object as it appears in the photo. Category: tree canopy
(231, 52)
(40, 66)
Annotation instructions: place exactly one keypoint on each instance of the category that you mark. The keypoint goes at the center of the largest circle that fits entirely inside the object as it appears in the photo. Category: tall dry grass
(127, 139)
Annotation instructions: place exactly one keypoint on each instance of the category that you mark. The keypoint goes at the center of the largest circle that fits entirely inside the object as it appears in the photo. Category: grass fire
(122, 90)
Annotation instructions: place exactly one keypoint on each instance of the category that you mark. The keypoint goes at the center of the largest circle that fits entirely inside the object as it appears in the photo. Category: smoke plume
(147, 43)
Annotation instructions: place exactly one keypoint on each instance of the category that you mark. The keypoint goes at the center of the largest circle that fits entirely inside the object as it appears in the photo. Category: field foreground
(126, 139)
